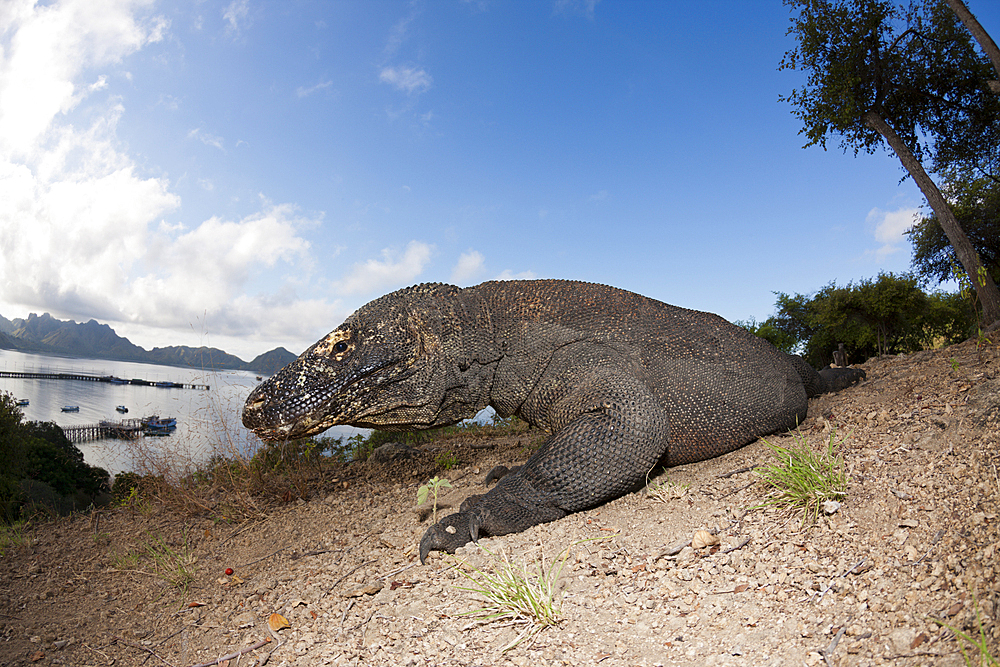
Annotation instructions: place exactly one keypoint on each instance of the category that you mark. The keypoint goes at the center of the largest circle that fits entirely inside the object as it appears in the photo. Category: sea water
(208, 421)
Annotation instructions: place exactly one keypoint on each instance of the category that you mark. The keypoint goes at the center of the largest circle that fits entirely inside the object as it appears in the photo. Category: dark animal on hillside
(622, 382)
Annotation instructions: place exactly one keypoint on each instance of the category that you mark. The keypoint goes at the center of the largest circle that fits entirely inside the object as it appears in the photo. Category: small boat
(71, 408)
(156, 426)
(122, 409)
(21, 402)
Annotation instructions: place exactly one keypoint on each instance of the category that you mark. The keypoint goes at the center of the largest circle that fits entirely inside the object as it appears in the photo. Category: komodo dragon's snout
(622, 382)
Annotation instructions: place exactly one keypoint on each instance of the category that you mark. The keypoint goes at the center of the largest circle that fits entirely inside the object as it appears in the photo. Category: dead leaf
(740, 588)
(196, 603)
(37, 655)
(918, 640)
(277, 622)
(313, 614)
(703, 538)
(300, 601)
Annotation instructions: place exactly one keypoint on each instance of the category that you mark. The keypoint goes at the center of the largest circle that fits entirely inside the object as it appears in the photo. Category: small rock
(830, 506)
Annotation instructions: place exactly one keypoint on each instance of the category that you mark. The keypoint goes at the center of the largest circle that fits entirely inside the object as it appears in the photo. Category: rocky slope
(916, 539)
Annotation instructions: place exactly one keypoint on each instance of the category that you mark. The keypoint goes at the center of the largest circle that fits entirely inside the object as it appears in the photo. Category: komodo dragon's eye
(340, 347)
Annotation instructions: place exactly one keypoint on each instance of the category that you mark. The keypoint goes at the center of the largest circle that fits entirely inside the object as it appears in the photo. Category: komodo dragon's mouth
(301, 401)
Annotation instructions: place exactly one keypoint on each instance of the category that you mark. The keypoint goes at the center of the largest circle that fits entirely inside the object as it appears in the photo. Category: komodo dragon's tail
(836, 379)
(826, 380)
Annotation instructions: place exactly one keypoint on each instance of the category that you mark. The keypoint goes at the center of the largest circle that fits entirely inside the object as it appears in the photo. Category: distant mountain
(47, 335)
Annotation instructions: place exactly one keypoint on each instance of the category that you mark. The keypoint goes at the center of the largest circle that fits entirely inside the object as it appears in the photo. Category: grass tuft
(979, 654)
(802, 479)
(517, 593)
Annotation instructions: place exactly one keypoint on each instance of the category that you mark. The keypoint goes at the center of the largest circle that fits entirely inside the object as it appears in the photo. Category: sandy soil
(917, 539)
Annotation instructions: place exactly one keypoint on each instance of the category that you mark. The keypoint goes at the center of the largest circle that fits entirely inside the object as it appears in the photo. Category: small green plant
(13, 535)
(803, 479)
(431, 488)
(979, 654)
(446, 460)
(517, 593)
(968, 292)
(176, 566)
(954, 364)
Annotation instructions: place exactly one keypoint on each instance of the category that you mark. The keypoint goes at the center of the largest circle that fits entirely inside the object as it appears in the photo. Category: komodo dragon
(622, 382)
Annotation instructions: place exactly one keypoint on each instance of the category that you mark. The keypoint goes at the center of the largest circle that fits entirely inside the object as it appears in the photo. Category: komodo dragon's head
(384, 367)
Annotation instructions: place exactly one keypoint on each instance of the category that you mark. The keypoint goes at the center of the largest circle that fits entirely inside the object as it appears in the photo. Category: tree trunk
(989, 295)
(986, 42)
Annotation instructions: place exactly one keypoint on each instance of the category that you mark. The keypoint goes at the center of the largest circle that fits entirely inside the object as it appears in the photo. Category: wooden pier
(128, 429)
(101, 378)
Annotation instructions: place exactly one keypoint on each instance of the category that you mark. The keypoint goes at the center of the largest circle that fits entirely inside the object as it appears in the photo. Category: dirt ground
(917, 539)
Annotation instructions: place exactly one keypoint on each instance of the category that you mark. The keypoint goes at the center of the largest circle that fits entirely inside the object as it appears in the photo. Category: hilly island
(43, 334)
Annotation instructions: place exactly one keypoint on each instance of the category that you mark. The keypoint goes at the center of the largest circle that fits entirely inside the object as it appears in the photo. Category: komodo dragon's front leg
(607, 434)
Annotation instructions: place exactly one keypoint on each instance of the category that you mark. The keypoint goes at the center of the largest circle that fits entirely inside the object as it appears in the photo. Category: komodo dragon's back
(623, 383)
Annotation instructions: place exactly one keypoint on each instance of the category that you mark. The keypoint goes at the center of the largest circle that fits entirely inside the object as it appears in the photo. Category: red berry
(229, 571)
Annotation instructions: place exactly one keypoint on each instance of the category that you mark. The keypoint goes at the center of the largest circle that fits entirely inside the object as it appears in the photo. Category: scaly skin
(622, 382)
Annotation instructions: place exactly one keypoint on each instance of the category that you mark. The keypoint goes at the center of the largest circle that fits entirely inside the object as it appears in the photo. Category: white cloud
(889, 228)
(236, 15)
(408, 79)
(206, 138)
(305, 92)
(48, 48)
(83, 232)
(392, 271)
(469, 267)
(583, 7)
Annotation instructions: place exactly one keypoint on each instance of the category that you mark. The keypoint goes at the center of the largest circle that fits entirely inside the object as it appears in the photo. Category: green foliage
(432, 488)
(916, 67)
(446, 460)
(515, 593)
(770, 331)
(13, 535)
(975, 201)
(887, 315)
(43, 469)
(803, 479)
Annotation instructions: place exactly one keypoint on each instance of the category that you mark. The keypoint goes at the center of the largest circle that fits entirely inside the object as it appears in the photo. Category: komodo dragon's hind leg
(607, 436)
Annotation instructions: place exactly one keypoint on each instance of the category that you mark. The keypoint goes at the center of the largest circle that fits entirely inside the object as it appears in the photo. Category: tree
(976, 205)
(887, 315)
(877, 74)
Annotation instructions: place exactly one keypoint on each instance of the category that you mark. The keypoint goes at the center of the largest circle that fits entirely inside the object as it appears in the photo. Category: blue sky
(244, 174)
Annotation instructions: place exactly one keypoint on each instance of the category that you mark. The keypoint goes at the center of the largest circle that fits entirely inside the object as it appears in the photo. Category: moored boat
(71, 408)
(21, 402)
(122, 409)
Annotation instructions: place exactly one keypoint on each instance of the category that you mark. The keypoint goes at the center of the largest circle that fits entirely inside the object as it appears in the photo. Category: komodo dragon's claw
(448, 534)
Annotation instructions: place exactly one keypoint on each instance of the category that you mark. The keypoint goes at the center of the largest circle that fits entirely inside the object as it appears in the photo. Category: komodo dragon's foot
(503, 510)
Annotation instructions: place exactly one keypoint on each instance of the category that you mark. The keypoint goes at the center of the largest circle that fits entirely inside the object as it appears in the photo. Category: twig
(737, 472)
(236, 654)
(103, 655)
(349, 574)
(673, 550)
(265, 557)
(396, 571)
(742, 544)
(856, 566)
(734, 492)
(828, 651)
(343, 617)
(144, 648)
